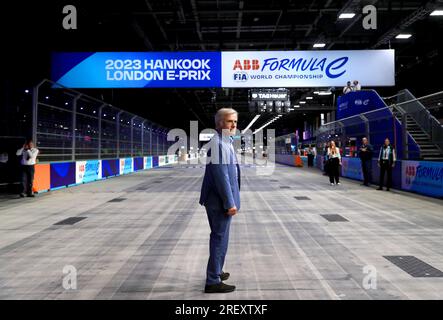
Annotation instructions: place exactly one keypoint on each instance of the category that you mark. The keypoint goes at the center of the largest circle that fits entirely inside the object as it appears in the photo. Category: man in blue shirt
(220, 194)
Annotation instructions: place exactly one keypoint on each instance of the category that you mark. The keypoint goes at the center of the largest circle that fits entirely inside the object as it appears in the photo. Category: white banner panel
(307, 68)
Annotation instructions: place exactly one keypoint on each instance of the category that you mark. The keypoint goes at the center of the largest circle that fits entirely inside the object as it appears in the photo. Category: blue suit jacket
(221, 183)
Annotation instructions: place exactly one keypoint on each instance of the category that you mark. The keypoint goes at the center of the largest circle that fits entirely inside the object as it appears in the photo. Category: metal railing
(376, 125)
(69, 125)
(421, 109)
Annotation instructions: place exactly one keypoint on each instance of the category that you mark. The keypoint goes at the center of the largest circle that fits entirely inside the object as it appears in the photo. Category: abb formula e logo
(242, 66)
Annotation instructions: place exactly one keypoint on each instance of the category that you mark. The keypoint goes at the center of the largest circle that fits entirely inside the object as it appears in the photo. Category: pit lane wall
(56, 175)
(422, 177)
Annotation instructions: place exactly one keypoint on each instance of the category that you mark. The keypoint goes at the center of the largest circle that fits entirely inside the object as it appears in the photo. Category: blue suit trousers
(219, 223)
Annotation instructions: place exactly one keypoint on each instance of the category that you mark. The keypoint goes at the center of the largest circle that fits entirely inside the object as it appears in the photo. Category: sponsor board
(87, 171)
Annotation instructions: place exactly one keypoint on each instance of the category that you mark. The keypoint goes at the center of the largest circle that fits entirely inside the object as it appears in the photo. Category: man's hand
(232, 211)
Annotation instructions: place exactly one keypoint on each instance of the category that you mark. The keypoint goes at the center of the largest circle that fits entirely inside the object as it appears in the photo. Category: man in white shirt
(356, 86)
(29, 157)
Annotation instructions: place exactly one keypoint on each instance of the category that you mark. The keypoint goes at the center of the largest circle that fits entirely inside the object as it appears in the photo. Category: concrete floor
(154, 244)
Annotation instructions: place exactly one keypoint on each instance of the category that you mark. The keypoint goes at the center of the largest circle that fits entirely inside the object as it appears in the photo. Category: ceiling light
(324, 93)
(252, 122)
(346, 15)
(296, 106)
(308, 98)
(319, 45)
(403, 36)
(437, 13)
(302, 102)
(315, 92)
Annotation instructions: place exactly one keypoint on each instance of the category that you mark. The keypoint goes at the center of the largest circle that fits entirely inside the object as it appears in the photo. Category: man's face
(365, 141)
(31, 145)
(229, 123)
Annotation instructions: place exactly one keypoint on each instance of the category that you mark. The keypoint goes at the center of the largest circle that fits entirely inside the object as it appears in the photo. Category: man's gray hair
(222, 113)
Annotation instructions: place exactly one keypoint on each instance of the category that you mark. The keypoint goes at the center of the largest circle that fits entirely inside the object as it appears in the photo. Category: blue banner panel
(351, 168)
(62, 174)
(155, 161)
(88, 171)
(136, 69)
(110, 168)
(354, 103)
(138, 163)
(423, 177)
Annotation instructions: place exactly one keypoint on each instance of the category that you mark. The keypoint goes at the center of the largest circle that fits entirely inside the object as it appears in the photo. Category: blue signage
(424, 177)
(354, 103)
(110, 167)
(62, 174)
(138, 163)
(136, 69)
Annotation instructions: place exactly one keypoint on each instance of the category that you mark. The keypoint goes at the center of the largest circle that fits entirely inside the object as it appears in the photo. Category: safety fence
(69, 125)
(56, 175)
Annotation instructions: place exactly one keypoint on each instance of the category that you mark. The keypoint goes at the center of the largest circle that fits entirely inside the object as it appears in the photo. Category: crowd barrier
(423, 177)
(289, 159)
(56, 175)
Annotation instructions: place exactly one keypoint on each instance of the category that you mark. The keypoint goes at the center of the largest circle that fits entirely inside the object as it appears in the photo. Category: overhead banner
(229, 69)
(136, 69)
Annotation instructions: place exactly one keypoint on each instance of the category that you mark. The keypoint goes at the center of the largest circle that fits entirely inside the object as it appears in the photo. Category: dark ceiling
(32, 30)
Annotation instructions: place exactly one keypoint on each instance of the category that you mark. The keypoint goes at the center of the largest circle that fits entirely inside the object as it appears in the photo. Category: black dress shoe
(387, 189)
(22, 195)
(224, 276)
(219, 288)
(31, 195)
(379, 188)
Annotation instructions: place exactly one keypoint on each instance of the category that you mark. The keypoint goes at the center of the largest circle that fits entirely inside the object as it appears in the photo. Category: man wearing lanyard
(220, 194)
(386, 161)
(29, 157)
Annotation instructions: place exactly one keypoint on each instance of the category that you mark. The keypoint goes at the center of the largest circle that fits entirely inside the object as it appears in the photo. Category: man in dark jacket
(365, 154)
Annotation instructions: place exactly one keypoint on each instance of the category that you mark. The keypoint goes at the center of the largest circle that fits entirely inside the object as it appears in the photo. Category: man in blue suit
(220, 194)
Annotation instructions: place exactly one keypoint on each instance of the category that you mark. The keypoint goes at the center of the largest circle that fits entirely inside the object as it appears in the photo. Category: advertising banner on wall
(110, 167)
(147, 162)
(42, 177)
(351, 168)
(171, 158)
(88, 171)
(251, 69)
(62, 174)
(126, 165)
(136, 69)
(423, 177)
(155, 161)
(139, 163)
(161, 161)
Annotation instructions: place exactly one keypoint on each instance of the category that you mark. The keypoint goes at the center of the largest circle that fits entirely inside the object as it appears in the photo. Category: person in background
(386, 161)
(325, 159)
(356, 85)
(334, 163)
(29, 157)
(365, 154)
(347, 88)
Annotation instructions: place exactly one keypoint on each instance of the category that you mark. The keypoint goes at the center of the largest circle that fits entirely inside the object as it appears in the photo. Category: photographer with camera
(29, 157)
